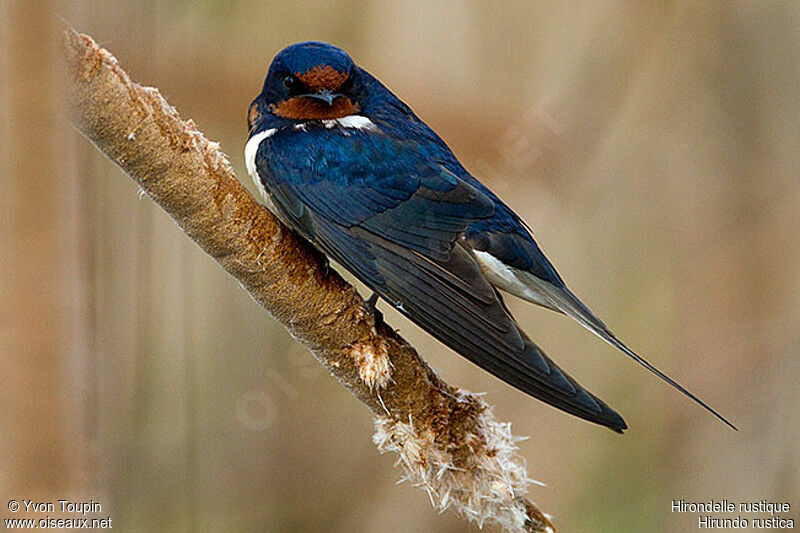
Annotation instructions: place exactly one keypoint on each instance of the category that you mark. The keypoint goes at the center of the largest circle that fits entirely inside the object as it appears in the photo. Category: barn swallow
(347, 165)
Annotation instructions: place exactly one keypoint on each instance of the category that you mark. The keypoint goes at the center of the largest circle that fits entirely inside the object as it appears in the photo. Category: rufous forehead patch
(323, 77)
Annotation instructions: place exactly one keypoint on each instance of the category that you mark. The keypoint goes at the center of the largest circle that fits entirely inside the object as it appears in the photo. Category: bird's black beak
(325, 95)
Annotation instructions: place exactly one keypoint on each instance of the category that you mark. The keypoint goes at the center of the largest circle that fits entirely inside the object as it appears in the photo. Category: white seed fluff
(489, 490)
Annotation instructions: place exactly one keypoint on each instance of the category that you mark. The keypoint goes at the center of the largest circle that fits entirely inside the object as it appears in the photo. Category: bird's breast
(311, 145)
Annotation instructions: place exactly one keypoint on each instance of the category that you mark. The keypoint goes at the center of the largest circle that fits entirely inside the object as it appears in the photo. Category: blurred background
(654, 148)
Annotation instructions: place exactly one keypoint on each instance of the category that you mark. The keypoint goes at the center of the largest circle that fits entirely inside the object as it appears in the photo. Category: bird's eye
(293, 84)
(347, 85)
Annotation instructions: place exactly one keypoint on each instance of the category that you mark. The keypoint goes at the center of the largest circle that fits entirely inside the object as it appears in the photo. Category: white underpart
(536, 290)
(250, 151)
(355, 122)
(511, 280)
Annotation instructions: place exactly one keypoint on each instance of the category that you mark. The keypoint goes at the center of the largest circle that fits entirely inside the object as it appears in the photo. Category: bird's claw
(372, 305)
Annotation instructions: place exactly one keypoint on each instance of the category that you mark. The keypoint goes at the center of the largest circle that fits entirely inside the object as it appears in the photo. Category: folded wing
(395, 220)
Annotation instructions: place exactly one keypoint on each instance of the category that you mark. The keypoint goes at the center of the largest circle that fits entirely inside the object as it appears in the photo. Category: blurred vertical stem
(447, 440)
(44, 442)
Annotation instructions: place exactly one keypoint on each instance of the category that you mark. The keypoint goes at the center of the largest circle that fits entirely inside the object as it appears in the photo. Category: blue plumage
(377, 182)
(352, 169)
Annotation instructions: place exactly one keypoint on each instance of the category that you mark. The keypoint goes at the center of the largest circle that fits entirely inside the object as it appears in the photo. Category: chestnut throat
(303, 108)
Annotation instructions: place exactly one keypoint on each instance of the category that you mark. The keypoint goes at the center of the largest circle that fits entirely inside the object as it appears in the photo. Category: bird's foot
(324, 262)
(372, 305)
(372, 301)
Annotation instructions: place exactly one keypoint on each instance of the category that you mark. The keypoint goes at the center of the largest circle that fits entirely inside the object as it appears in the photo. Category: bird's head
(308, 81)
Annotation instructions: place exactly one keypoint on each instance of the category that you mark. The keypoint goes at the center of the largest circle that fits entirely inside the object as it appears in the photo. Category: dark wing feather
(403, 244)
(373, 182)
(472, 321)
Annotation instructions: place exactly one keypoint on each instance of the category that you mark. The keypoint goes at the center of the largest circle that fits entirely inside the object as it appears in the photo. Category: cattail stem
(447, 440)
